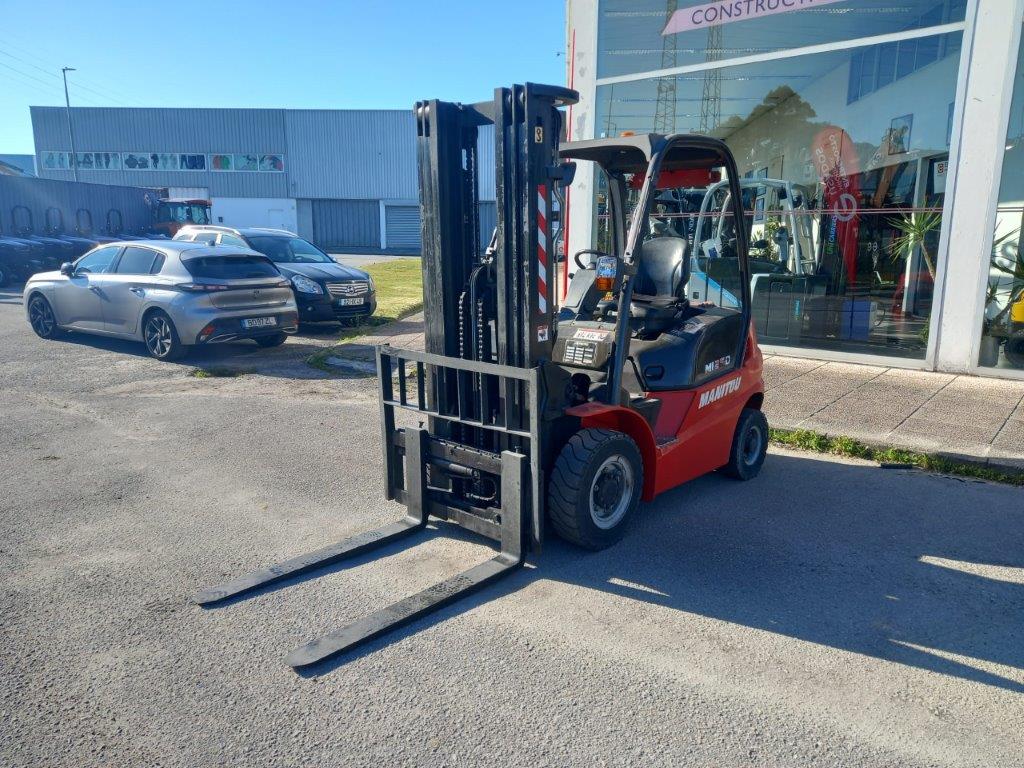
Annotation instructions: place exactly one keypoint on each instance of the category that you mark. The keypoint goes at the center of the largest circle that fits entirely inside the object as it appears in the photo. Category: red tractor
(524, 413)
(172, 213)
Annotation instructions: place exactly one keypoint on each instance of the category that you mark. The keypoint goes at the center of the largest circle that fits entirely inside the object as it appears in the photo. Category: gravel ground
(827, 613)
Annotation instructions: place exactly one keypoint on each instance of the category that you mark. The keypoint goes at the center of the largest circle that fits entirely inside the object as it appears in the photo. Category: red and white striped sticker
(542, 249)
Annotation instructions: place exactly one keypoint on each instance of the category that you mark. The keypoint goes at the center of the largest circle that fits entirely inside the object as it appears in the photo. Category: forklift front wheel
(595, 487)
(749, 445)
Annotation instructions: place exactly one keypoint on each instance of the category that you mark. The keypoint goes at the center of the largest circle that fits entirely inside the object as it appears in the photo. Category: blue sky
(288, 53)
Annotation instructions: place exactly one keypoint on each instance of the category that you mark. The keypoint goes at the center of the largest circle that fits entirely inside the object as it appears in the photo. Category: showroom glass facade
(844, 148)
(1002, 333)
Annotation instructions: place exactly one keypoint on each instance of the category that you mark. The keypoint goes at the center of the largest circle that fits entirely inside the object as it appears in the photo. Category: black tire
(161, 337)
(595, 487)
(749, 445)
(272, 341)
(41, 317)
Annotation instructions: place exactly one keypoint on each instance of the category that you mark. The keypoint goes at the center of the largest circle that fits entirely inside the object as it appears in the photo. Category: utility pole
(665, 105)
(711, 99)
(71, 133)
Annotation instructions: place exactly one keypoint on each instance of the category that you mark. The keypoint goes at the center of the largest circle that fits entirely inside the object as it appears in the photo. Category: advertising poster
(838, 168)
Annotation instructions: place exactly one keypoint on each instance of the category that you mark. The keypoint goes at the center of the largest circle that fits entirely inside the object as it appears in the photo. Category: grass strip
(216, 373)
(808, 440)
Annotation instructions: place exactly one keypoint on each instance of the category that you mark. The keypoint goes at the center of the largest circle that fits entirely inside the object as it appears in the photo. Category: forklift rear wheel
(595, 487)
(749, 445)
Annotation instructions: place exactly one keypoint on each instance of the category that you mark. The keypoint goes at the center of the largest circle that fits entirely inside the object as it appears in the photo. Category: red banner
(837, 165)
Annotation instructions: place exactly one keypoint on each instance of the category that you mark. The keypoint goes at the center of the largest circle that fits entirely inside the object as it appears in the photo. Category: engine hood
(323, 271)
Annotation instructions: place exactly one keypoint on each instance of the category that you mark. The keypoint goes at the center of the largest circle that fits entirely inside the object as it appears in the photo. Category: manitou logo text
(713, 395)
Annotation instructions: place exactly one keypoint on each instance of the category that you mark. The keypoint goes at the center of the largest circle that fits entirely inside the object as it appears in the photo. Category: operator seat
(659, 290)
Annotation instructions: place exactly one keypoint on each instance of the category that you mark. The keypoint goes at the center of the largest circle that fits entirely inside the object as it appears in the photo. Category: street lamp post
(71, 132)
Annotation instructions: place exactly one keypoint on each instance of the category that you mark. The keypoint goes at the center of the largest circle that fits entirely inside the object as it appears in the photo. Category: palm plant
(914, 230)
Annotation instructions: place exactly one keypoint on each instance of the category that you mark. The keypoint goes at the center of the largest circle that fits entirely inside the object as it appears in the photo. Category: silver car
(168, 295)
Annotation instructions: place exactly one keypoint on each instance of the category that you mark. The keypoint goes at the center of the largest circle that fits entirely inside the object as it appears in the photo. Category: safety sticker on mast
(542, 249)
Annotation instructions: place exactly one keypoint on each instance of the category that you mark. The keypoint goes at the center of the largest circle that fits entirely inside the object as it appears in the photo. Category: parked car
(324, 289)
(18, 260)
(168, 295)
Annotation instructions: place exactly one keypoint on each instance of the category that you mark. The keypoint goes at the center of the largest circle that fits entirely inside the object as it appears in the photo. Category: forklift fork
(507, 524)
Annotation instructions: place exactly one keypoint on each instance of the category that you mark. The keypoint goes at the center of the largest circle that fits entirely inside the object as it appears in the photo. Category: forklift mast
(516, 298)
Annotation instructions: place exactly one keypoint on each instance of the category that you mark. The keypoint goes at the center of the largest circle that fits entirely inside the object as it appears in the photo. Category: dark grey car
(324, 289)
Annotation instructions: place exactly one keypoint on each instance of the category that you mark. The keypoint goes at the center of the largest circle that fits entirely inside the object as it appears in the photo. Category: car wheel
(595, 487)
(749, 445)
(40, 315)
(272, 341)
(161, 337)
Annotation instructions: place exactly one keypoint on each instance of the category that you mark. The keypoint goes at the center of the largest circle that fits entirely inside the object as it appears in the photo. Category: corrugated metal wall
(346, 223)
(353, 154)
(343, 154)
(488, 221)
(113, 129)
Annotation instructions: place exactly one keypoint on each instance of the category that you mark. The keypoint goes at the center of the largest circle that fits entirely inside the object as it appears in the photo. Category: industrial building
(345, 179)
(895, 130)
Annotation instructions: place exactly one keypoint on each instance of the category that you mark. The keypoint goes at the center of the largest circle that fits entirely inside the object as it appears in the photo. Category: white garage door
(403, 227)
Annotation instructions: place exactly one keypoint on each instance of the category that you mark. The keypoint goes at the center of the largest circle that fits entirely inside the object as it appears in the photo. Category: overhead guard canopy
(632, 154)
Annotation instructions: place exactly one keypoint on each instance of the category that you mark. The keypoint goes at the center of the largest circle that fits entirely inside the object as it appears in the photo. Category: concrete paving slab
(1011, 437)
(958, 410)
(979, 388)
(779, 370)
(949, 432)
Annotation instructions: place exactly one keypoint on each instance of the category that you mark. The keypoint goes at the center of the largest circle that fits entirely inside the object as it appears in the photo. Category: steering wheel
(590, 251)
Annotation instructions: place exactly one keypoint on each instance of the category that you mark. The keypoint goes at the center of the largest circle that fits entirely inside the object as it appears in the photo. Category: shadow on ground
(881, 563)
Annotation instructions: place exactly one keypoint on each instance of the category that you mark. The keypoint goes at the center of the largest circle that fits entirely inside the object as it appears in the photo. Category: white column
(991, 39)
(581, 53)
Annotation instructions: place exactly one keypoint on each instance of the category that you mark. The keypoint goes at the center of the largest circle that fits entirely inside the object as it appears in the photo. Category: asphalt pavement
(827, 613)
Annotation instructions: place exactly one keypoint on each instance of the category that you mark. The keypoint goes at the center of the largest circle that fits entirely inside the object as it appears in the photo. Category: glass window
(285, 250)
(231, 267)
(192, 162)
(843, 184)
(640, 36)
(272, 163)
(99, 161)
(198, 214)
(227, 239)
(210, 238)
(222, 162)
(247, 162)
(1002, 327)
(97, 262)
(158, 264)
(55, 161)
(135, 261)
(150, 161)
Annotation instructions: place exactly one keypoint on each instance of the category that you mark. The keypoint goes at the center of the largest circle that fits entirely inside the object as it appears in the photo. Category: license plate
(259, 322)
(350, 302)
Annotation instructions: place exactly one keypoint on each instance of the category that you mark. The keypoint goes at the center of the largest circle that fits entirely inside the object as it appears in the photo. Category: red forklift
(528, 414)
